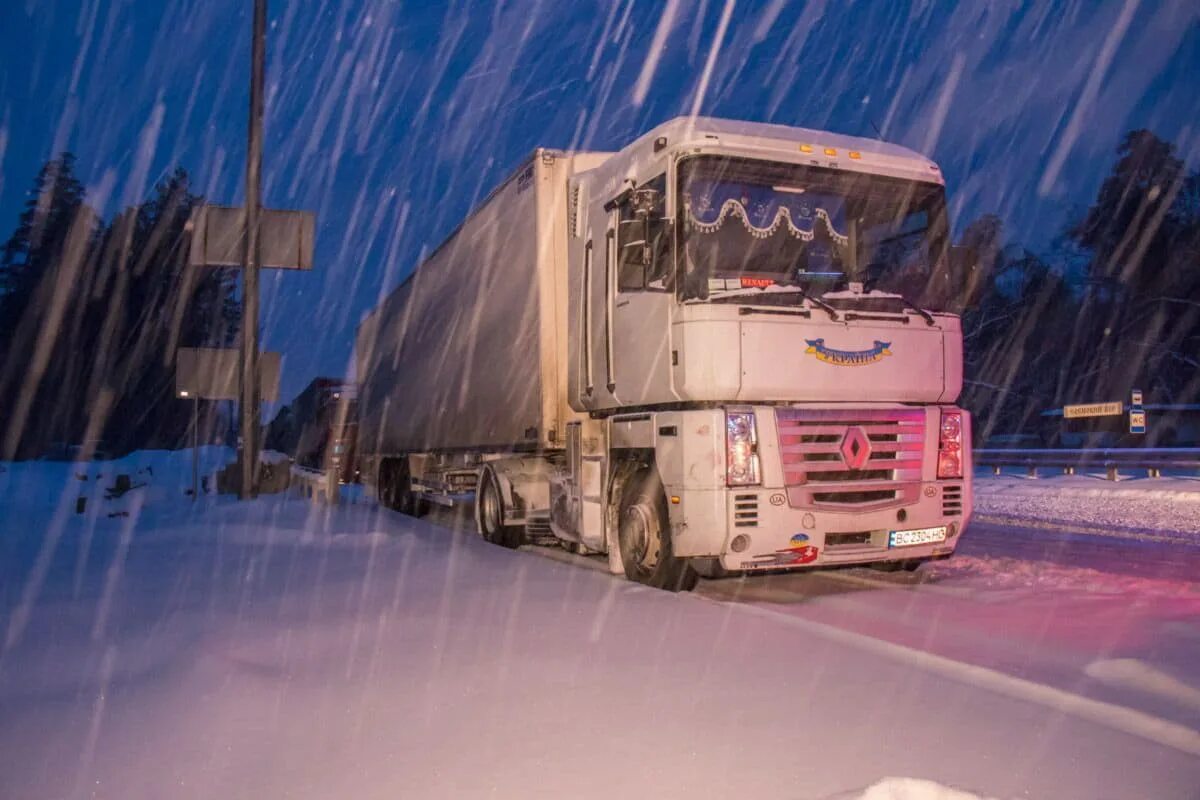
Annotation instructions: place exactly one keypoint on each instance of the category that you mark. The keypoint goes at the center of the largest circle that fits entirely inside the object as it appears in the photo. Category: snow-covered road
(279, 649)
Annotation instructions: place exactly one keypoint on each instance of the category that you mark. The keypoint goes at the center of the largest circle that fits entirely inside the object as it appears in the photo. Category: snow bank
(160, 477)
(911, 789)
(1169, 506)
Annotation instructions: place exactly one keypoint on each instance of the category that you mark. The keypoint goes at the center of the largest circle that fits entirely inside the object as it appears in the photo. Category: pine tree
(41, 266)
(95, 318)
(1143, 233)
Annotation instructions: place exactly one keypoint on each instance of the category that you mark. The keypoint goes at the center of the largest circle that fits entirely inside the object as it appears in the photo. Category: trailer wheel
(644, 536)
(387, 484)
(489, 513)
(395, 488)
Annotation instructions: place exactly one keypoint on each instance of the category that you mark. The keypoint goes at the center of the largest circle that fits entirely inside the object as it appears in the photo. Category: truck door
(639, 241)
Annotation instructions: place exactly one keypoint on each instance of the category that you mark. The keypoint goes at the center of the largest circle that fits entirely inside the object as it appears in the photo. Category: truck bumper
(755, 528)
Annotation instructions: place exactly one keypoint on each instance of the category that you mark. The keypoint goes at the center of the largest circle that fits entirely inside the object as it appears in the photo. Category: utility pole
(195, 448)
(250, 261)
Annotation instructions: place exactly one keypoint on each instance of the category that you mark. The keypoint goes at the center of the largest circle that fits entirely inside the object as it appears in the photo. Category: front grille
(853, 459)
(745, 511)
(952, 501)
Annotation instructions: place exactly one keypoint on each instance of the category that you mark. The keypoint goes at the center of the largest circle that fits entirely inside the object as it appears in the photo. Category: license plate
(918, 536)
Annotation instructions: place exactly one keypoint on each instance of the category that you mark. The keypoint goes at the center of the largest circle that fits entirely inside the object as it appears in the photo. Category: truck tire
(489, 514)
(386, 484)
(644, 536)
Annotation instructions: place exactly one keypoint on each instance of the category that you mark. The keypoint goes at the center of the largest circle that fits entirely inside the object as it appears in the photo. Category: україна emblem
(848, 358)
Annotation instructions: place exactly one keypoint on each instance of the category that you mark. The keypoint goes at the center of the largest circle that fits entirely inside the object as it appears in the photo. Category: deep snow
(283, 648)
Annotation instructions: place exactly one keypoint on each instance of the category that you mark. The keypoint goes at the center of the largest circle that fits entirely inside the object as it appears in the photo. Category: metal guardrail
(1111, 460)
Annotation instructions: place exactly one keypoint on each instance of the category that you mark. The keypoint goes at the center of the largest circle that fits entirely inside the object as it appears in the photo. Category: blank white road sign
(212, 373)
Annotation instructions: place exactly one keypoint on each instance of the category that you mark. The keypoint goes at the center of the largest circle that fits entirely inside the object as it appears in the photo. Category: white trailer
(730, 346)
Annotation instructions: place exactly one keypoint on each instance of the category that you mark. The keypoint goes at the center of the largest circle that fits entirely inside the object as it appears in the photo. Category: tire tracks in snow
(1117, 717)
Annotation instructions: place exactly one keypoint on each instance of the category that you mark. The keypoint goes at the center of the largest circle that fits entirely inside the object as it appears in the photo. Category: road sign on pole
(213, 373)
(252, 238)
(285, 238)
(248, 454)
(1137, 414)
(1093, 410)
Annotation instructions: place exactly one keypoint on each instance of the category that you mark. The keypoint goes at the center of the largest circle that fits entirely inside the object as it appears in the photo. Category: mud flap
(615, 566)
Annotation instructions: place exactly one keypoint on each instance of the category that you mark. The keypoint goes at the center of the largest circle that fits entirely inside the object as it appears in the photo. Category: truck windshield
(745, 223)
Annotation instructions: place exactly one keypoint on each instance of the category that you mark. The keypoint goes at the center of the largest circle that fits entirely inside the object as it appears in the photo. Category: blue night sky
(391, 119)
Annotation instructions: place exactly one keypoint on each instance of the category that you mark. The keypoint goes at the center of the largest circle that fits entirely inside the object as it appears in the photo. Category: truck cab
(765, 319)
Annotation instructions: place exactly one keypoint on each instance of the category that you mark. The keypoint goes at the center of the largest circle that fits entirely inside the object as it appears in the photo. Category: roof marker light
(806, 148)
(831, 151)
(855, 154)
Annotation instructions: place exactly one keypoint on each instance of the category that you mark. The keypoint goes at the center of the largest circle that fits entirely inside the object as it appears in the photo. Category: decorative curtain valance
(763, 210)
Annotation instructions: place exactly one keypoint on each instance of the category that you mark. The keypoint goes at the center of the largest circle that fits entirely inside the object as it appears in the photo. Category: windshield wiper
(833, 315)
(925, 315)
(874, 313)
(775, 289)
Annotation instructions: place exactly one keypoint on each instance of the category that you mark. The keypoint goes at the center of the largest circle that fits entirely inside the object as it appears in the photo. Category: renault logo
(855, 448)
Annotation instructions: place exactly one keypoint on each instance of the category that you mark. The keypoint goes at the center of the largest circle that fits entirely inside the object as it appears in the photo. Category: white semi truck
(730, 346)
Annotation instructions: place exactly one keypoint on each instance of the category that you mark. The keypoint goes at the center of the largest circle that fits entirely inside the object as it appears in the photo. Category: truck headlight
(950, 445)
(741, 445)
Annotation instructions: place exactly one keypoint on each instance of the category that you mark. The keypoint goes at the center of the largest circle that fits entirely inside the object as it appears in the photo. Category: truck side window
(632, 273)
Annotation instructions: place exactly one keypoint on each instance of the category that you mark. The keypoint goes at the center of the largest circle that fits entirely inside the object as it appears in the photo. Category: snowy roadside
(283, 648)
(1151, 509)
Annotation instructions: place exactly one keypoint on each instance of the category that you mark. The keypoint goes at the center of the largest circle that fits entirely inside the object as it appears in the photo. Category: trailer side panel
(452, 359)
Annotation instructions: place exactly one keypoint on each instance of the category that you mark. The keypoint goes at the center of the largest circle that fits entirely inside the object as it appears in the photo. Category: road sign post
(1137, 413)
(252, 238)
(195, 448)
(249, 394)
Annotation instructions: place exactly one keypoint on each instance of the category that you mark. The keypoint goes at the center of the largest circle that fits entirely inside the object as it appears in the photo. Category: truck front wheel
(489, 513)
(644, 536)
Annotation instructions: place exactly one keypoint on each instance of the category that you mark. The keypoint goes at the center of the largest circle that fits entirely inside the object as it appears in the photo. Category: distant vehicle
(730, 346)
(319, 428)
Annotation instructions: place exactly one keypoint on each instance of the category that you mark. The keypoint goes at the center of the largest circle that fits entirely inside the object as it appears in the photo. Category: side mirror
(644, 201)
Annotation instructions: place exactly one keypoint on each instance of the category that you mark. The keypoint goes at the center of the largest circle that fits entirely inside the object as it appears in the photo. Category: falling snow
(160, 643)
